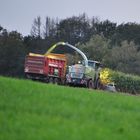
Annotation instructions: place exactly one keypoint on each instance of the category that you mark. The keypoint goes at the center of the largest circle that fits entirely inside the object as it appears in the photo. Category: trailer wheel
(56, 81)
(46, 80)
(51, 80)
(90, 84)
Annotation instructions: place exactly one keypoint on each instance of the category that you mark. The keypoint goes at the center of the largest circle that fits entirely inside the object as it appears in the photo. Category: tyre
(51, 80)
(98, 84)
(90, 84)
(56, 81)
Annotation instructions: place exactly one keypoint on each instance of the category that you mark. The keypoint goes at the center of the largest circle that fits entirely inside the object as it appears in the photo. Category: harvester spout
(69, 45)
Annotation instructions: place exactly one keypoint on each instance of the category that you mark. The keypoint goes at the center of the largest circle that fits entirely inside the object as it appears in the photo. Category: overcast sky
(19, 14)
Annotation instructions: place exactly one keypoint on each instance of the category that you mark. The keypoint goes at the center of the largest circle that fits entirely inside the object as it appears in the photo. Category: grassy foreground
(36, 111)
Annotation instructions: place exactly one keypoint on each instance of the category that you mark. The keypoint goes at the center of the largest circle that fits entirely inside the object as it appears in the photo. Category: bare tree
(50, 27)
(36, 27)
(47, 25)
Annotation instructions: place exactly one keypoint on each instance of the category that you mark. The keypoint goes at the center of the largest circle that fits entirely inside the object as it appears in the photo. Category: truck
(92, 75)
(50, 68)
(84, 75)
(53, 68)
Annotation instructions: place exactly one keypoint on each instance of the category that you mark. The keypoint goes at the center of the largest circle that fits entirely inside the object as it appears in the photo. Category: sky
(19, 14)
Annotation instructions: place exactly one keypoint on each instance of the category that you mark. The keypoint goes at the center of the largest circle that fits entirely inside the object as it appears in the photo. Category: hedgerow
(126, 83)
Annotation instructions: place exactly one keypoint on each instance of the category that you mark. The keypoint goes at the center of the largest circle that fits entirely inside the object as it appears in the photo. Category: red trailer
(50, 67)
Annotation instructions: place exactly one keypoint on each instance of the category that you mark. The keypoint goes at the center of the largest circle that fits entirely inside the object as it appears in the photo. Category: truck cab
(84, 74)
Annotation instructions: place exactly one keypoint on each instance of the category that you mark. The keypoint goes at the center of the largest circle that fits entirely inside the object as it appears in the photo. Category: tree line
(116, 46)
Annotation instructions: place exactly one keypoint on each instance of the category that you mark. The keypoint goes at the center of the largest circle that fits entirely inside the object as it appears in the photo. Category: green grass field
(37, 111)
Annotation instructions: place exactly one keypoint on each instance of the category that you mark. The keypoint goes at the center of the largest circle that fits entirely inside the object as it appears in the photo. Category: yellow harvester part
(56, 56)
(35, 54)
(105, 76)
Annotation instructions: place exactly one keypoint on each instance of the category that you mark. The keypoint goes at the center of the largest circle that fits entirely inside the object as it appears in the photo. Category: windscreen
(91, 64)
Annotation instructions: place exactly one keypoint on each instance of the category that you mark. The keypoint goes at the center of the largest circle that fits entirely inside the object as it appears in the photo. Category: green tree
(74, 29)
(128, 31)
(12, 54)
(96, 48)
(105, 28)
(124, 58)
